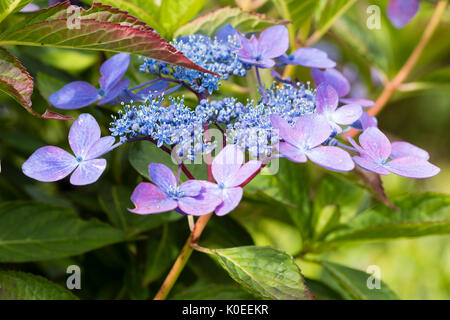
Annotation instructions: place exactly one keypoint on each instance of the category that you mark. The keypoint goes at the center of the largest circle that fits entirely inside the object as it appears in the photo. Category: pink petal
(83, 134)
(370, 165)
(100, 147)
(375, 143)
(227, 163)
(327, 98)
(49, 164)
(402, 149)
(400, 12)
(113, 70)
(162, 176)
(114, 92)
(191, 188)
(291, 152)
(412, 167)
(74, 95)
(88, 172)
(245, 172)
(202, 204)
(362, 102)
(332, 77)
(285, 131)
(273, 42)
(313, 129)
(231, 198)
(347, 114)
(331, 158)
(148, 199)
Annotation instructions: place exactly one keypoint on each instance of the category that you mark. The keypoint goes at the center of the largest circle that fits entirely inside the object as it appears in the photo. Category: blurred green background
(419, 112)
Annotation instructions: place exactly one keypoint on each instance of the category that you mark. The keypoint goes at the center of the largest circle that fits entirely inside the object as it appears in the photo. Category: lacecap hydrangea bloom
(290, 119)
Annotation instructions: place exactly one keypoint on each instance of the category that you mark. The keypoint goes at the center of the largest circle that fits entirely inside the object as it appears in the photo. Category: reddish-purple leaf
(17, 83)
(374, 183)
(101, 27)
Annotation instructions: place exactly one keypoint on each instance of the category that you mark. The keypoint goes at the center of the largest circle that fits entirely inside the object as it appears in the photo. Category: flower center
(79, 159)
(101, 92)
(175, 193)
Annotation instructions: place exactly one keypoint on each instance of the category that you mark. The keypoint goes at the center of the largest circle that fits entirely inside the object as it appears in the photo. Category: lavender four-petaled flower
(303, 141)
(308, 57)
(407, 160)
(230, 173)
(165, 195)
(260, 52)
(80, 94)
(51, 163)
(342, 86)
(327, 101)
(400, 12)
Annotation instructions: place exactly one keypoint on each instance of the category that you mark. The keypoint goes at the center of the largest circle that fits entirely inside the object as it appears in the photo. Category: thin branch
(393, 85)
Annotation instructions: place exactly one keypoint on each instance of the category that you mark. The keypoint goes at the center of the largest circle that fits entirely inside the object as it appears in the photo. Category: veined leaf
(99, 28)
(8, 7)
(17, 83)
(417, 215)
(144, 10)
(328, 11)
(33, 231)
(203, 290)
(15, 80)
(356, 284)
(24, 286)
(264, 271)
(243, 21)
(175, 13)
(299, 12)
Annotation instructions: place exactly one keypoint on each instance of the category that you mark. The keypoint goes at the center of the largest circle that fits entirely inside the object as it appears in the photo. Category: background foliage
(307, 213)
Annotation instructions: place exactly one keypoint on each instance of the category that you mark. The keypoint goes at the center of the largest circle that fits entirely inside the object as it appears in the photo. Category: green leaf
(47, 84)
(100, 28)
(24, 286)
(264, 271)
(212, 291)
(18, 84)
(355, 283)
(144, 10)
(269, 224)
(175, 13)
(299, 12)
(145, 152)
(321, 290)
(160, 255)
(115, 201)
(418, 215)
(328, 12)
(213, 21)
(33, 231)
(362, 43)
(8, 7)
(15, 80)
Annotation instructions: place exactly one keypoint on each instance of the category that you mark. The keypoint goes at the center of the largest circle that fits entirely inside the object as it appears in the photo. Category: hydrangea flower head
(272, 43)
(400, 12)
(80, 94)
(165, 194)
(308, 57)
(229, 172)
(376, 151)
(51, 163)
(303, 141)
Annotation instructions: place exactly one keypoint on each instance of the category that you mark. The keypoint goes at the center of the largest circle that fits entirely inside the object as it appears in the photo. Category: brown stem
(392, 85)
